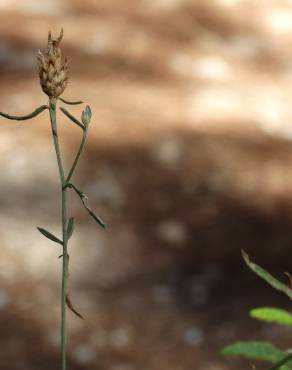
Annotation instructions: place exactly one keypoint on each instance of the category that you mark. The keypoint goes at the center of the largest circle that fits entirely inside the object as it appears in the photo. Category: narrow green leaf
(255, 350)
(271, 314)
(71, 102)
(78, 191)
(71, 307)
(93, 215)
(84, 200)
(49, 235)
(70, 228)
(72, 118)
(27, 116)
(265, 275)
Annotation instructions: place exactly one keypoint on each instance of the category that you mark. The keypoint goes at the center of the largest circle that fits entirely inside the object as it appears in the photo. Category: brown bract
(52, 71)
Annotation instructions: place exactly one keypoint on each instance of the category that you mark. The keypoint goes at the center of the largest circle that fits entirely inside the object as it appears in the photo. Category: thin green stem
(64, 279)
(77, 156)
(64, 230)
(65, 300)
(56, 140)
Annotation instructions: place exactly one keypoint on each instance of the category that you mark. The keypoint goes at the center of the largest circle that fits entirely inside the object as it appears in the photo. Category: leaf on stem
(71, 307)
(67, 298)
(93, 215)
(49, 235)
(71, 102)
(27, 116)
(271, 314)
(265, 275)
(72, 118)
(70, 228)
(97, 219)
(255, 350)
(84, 200)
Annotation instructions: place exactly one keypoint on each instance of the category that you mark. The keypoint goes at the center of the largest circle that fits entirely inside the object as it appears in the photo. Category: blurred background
(189, 159)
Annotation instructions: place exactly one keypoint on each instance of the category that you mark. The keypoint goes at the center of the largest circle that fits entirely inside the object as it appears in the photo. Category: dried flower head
(53, 73)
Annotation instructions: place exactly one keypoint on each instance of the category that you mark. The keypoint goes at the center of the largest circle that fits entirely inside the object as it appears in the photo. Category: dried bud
(86, 116)
(53, 73)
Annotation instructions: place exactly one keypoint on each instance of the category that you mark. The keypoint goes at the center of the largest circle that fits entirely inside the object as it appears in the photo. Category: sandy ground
(188, 160)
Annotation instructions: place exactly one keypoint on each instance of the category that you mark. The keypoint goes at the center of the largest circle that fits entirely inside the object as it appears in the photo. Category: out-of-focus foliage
(257, 351)
(271, 314)
(261, 350)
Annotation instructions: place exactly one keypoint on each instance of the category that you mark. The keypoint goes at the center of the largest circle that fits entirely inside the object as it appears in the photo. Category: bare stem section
(64, 232)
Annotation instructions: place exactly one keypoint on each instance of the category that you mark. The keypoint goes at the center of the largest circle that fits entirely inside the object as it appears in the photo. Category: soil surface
(188, 161)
